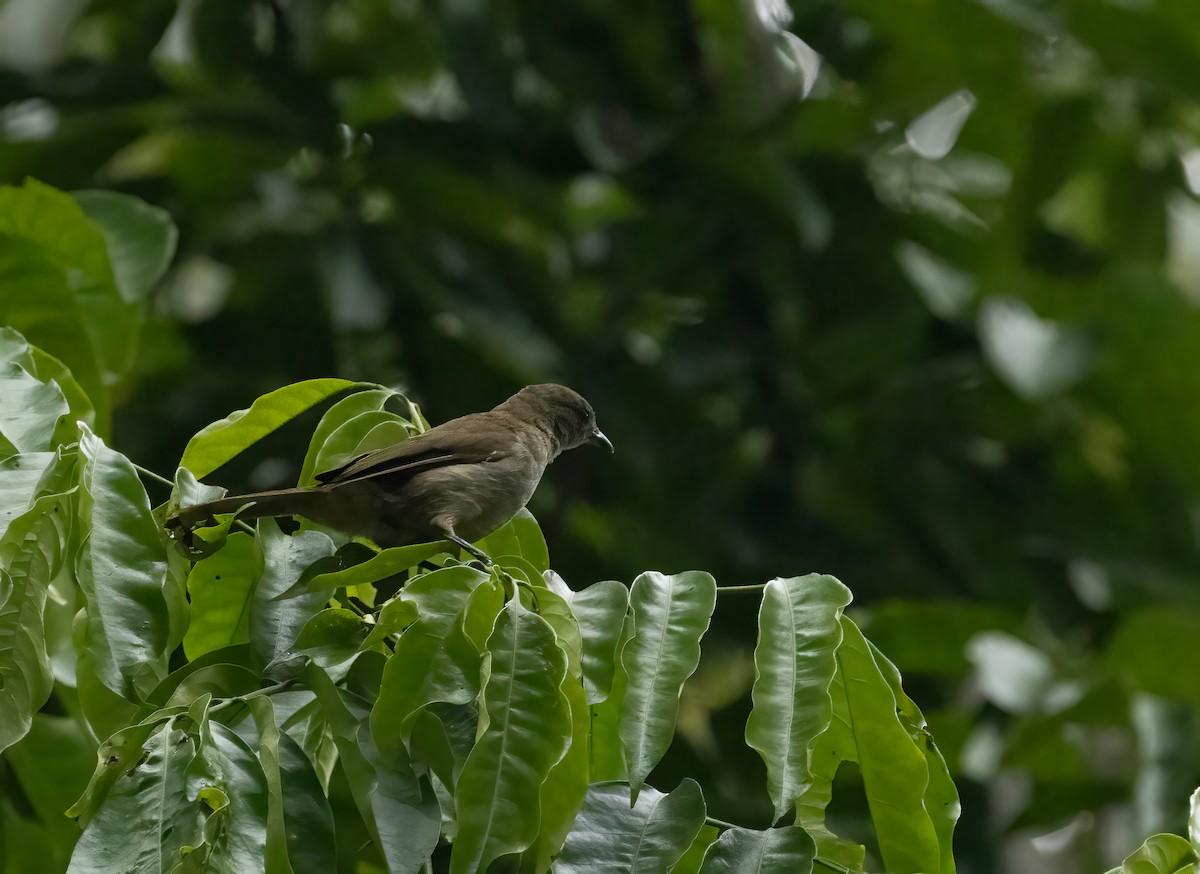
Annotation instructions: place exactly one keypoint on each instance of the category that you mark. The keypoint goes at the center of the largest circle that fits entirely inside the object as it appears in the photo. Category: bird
(458, 481)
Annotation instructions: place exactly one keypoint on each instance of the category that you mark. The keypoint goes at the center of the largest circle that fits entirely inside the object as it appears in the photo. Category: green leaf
(140, 239)
(44, 367)
(566, 785)
(19, 478)
(386, 563)
(1159, 854)
(221, 587)
(746, 851)
(798, 632)
(332, 637)
(299, 819)
(29, 411)
(690, 861)
(520, 536)
(600, 610)
(648, 836)
(399, 809)
(226, 778)
(608, 760)
(122, 570)
(526, 726)
(894, 773)
(226, 438)
(279, 608)
(1194, 820)
(434, 660)
(670, 614)
(941, 795)
(142, 777)
(325, 449)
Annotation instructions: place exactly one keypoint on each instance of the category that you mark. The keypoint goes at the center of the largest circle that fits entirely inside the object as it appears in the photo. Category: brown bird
(459, 481)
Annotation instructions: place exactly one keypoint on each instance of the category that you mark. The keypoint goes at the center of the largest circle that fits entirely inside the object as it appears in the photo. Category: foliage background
(826, 328)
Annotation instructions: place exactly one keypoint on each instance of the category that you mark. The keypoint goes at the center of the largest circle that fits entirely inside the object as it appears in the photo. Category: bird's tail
(281, 502)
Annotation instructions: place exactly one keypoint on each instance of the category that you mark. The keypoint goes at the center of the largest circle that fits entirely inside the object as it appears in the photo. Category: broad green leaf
(565, 786)
(528, 728)
(432, 658)
(299, 819)
(941, 796)
(122, 569)
(44, 367)
(32, 551)
(221, 587)
(690, 861)
(648, 836)
(29, 411)
(670, 615)
(386, 563)
(833, 746)
(398, 807)
(520, 536)
(1160, 854)
(600, 610)
(227, 438)
(746, 851)
(227, 778)
(894, 773)
(279, 608)
(393, 619)
(332, 637)
(142, 778)
(608, 761)
(140, 239)
(404, 807)
(231, 656)
(798, 632)
(323, 448)
(359, 436)
(19, 478)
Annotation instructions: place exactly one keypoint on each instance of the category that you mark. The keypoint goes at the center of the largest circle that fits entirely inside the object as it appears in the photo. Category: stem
(831, 866)
(730, 590)
(154, 476)
(720, 823)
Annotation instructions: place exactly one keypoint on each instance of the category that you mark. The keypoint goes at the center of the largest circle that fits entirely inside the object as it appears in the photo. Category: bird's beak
(598, 437)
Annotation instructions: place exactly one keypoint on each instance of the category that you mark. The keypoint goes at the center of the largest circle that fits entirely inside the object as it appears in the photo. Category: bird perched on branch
(459, 481)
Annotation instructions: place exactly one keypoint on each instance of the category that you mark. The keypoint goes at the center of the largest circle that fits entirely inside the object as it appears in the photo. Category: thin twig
(720, 823)
(154, 476)
(730, 590)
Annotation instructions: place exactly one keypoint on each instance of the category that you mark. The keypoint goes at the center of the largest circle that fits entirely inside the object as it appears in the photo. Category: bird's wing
(469, 440)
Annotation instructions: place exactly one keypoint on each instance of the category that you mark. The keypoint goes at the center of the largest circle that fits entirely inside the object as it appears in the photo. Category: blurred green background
(905, 292)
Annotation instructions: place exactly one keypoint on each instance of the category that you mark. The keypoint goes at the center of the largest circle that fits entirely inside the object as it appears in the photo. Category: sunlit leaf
(520, 536)
(670, 614)
(1160, 854)
(894, 772)
(221, 587)
(227, 438)
(29, 411)
(528, 728)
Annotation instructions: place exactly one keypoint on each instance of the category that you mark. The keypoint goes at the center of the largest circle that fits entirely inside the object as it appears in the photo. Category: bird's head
(563, 412)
